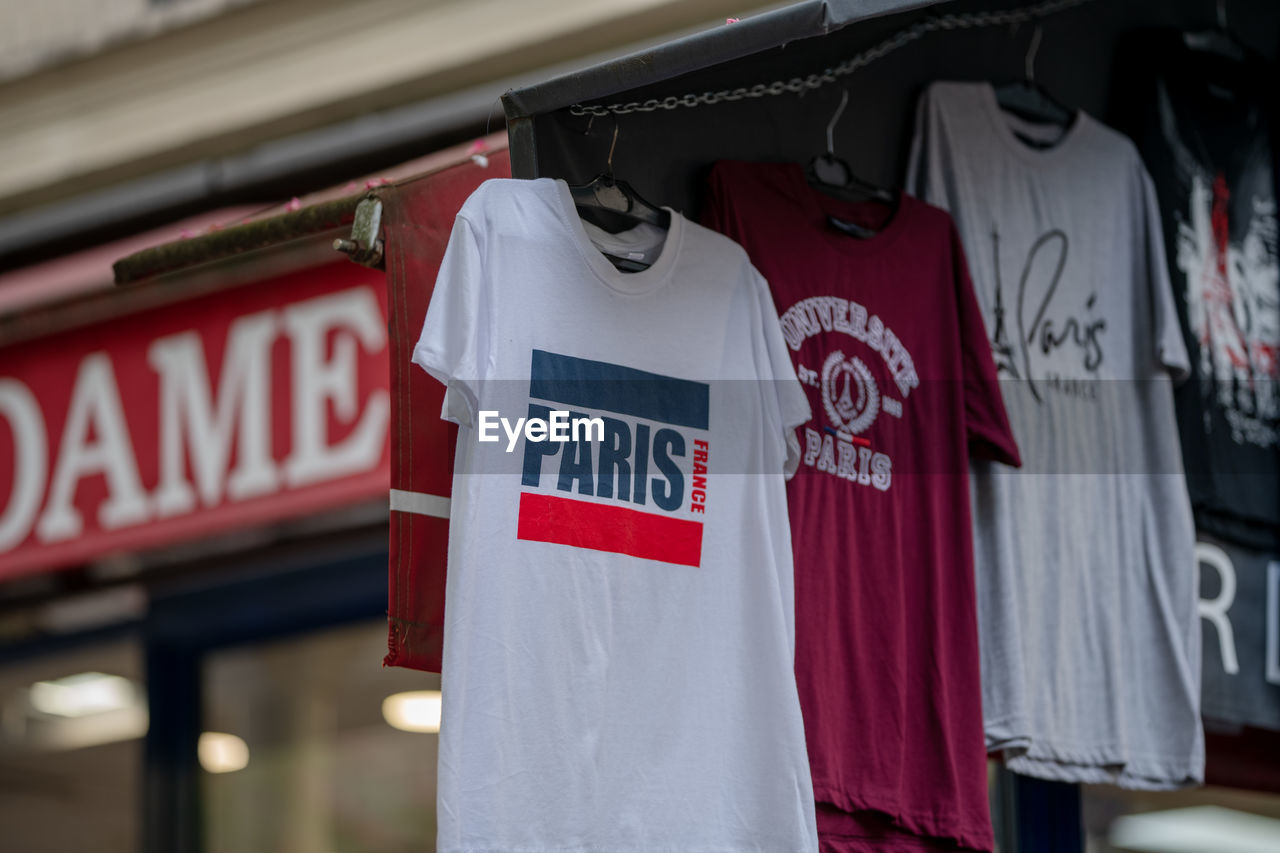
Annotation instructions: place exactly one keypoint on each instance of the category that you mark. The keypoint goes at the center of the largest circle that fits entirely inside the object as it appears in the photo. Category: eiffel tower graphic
(845, 405)
(1001, 349)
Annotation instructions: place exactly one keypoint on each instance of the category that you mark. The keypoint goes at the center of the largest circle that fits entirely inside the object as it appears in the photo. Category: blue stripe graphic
(613, 388)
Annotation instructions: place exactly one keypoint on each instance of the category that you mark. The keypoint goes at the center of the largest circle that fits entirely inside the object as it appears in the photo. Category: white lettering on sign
(1215, 610)
(192, 422)
(30, 461)
(95, 407)
(354, 317)
(215, 438)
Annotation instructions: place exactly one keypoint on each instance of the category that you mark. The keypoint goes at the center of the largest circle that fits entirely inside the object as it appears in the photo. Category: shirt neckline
(1035, 156)
(628, 283)
(810, 200)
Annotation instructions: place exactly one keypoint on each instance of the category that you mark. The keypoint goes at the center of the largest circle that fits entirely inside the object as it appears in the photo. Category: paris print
(1042, 333)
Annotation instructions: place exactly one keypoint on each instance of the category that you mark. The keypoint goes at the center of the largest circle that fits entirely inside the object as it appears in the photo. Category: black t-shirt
(1202, 124)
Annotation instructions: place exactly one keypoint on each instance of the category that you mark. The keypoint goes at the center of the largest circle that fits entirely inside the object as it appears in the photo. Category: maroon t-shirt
(886, 338)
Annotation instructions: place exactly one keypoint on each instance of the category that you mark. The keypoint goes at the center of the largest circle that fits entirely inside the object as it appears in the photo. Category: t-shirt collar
(632, 283)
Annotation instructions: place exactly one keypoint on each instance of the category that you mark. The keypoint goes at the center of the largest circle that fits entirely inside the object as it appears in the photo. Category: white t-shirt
(619, 633)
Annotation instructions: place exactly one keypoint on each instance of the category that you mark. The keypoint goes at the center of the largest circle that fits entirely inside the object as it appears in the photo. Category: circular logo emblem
(849, 393)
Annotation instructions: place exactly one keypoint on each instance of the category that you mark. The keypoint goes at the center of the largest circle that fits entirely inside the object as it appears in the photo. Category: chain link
(799, 85)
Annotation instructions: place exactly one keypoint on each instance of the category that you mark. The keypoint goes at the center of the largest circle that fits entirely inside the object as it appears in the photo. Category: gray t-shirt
(1086, 575)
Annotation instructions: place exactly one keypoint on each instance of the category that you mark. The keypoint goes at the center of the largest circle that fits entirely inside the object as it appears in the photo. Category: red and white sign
(241, 407)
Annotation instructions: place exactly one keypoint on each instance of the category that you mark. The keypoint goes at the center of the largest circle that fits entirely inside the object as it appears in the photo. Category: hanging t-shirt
(886, 337)
(619, 631)
(1202, 125)
(1087, 596)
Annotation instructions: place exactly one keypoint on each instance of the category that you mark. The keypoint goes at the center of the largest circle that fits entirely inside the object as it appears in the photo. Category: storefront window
(308, 745)
(71, 746)
(1201, 820)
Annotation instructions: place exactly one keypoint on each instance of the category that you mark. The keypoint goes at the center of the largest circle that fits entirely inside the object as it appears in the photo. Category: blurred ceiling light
(86, 709)
(82, 695)
(415, 711)
(220, 752)
(1202, 829)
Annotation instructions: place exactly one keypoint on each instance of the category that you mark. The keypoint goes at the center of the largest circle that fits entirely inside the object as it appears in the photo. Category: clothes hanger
(1219, 40)
(612, 203)
(1028, 100)
(830, 174)
(833, 176)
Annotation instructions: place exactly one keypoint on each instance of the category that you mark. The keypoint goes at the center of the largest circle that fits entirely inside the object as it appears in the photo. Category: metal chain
(798, 85)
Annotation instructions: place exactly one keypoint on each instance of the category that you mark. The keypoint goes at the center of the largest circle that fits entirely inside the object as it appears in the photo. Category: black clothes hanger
(1028, 100)
(1218, 41)
(613, 204)
(833, 176)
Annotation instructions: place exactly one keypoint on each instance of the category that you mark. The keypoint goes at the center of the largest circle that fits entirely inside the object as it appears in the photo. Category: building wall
(99, 93)
(51, 32)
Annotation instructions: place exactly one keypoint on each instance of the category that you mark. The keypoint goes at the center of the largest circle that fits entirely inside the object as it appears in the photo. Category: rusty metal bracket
(365, 244)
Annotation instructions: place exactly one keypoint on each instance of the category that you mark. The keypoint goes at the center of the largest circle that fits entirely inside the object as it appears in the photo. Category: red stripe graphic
(561, 521)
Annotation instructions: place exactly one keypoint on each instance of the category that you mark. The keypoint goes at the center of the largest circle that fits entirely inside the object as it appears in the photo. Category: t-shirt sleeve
(986, 422)
(793, 405)
(1170, 348)
(452, 346)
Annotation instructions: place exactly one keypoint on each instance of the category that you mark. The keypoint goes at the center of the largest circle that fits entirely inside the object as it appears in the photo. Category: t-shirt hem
(904, 843)
(938, 826)
(1106, 766)
(615, 848)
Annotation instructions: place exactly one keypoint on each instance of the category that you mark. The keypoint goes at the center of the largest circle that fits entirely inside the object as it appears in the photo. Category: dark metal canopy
(780, 27)
(664, 152)
(681, 60)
